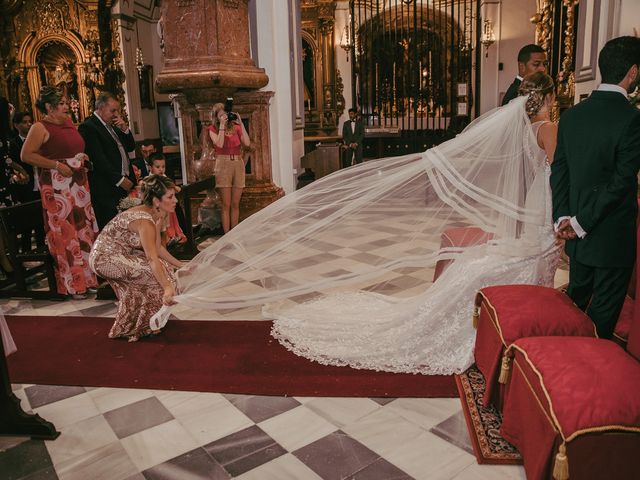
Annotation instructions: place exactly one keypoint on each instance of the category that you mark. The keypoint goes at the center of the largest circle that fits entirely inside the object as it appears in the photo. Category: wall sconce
(346, 42)
(488, 36)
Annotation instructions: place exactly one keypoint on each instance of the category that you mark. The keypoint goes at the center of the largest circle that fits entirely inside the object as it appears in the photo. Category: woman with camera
(228, 135)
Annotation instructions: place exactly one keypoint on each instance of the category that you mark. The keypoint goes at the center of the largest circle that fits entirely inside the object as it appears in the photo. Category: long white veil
(351, 228)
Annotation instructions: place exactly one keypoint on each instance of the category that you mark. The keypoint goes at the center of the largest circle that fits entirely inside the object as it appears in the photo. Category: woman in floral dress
(55, 147)
(129, 255)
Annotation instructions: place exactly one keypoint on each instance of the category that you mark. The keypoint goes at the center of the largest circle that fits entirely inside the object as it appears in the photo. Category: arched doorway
(58, 60)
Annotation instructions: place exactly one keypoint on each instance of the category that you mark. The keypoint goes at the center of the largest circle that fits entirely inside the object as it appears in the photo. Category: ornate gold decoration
(57, 42)
(115, 68)
(340, 102)
(326, 26)
(566, 79)
(543, 20)
(52, 15)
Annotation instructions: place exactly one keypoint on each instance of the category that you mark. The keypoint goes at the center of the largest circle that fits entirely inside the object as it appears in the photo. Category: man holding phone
(108, 140)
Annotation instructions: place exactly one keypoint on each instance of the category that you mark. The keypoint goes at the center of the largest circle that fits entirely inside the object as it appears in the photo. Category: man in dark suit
(147, 149)
(352, 137)
(595, 186)
(531, 59)
(26, 192)
(107, 143)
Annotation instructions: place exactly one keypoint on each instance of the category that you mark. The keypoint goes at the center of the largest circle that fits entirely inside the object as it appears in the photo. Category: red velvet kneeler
(623, 326)
(572, 404)
(510, 312)
(459, 237)
(631, 307)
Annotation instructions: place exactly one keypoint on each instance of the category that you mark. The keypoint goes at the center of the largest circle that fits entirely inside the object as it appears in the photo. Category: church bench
(14, 221)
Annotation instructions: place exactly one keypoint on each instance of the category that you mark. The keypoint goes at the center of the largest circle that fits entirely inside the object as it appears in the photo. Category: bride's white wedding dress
(370, 223)
(432, 333)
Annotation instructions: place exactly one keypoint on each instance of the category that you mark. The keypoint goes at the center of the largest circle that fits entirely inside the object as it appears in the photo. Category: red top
(64, 141)
(232, 140)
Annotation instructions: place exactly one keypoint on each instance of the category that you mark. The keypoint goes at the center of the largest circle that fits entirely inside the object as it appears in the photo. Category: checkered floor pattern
(135, 434)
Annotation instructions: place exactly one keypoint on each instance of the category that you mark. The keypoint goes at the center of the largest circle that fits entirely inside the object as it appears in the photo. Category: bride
(320, 259)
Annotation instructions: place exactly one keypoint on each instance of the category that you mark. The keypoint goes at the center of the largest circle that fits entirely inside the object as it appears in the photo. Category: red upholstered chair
(459, 237)
(506, 313)
(621, 333)
(572, 407)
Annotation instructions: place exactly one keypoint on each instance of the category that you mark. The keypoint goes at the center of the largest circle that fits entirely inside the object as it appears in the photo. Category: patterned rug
(484, 423)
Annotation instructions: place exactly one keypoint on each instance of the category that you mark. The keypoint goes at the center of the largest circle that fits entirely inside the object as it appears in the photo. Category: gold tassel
(476, 316)
(561, 466)
(505, 368)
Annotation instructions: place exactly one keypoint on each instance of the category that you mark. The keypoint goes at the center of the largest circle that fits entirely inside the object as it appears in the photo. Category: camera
(228, 105)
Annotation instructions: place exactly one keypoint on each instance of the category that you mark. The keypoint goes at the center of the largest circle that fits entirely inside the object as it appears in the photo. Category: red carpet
(224, 357)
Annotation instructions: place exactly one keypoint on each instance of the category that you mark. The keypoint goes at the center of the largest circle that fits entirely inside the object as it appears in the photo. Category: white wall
(616, 18)
(342, 20)
(628, 17)
(513, 30)
(273, 51)
(137, 27)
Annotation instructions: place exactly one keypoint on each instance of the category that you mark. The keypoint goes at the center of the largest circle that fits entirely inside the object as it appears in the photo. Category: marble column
(203, 64)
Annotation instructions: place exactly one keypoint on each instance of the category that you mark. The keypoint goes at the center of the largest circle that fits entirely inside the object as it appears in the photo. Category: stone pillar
(203, 64)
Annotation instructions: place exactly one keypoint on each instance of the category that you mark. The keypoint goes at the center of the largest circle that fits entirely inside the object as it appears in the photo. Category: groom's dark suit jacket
(103, 152)
(512, 91)
(594, 177)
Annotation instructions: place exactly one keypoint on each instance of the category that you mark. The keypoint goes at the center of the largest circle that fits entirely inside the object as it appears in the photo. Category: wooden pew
(14, 221)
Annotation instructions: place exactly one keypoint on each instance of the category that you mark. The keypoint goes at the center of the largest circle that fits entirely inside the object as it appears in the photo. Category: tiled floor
(134, 434)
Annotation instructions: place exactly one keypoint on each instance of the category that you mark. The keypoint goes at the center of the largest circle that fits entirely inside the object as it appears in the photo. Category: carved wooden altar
(555, 32)
(68, 43)
(323, 85)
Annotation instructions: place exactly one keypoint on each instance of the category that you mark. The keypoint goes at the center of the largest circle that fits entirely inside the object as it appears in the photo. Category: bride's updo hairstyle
(155, 186)
(537, 86)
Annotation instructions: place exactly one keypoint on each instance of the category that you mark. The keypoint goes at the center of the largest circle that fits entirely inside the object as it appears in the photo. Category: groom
(594, 184)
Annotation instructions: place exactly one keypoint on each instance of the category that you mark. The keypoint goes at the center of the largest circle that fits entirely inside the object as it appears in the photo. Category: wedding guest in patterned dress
(129, 255)
(55, 147)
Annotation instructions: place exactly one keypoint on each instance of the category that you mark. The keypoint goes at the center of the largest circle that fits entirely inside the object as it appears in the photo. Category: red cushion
(529, 310)
(633, 344)
(624, 320)
(589, 382)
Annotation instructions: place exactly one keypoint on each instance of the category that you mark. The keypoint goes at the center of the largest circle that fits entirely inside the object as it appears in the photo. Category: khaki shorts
(229, 171)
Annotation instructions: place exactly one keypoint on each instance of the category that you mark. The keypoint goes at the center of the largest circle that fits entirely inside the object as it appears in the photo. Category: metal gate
(414, 70)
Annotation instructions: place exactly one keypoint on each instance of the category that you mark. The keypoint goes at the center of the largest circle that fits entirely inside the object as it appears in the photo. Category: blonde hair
(537, 86)
(155, 186)
(215, 109)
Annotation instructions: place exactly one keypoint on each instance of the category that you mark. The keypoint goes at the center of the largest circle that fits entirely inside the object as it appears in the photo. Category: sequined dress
(118, 257)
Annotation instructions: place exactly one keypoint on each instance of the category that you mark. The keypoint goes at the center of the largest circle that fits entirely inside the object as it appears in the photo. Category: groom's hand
(565, 230)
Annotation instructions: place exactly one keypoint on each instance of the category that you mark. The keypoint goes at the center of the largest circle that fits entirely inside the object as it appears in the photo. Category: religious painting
(145, 81)
(169, 132)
